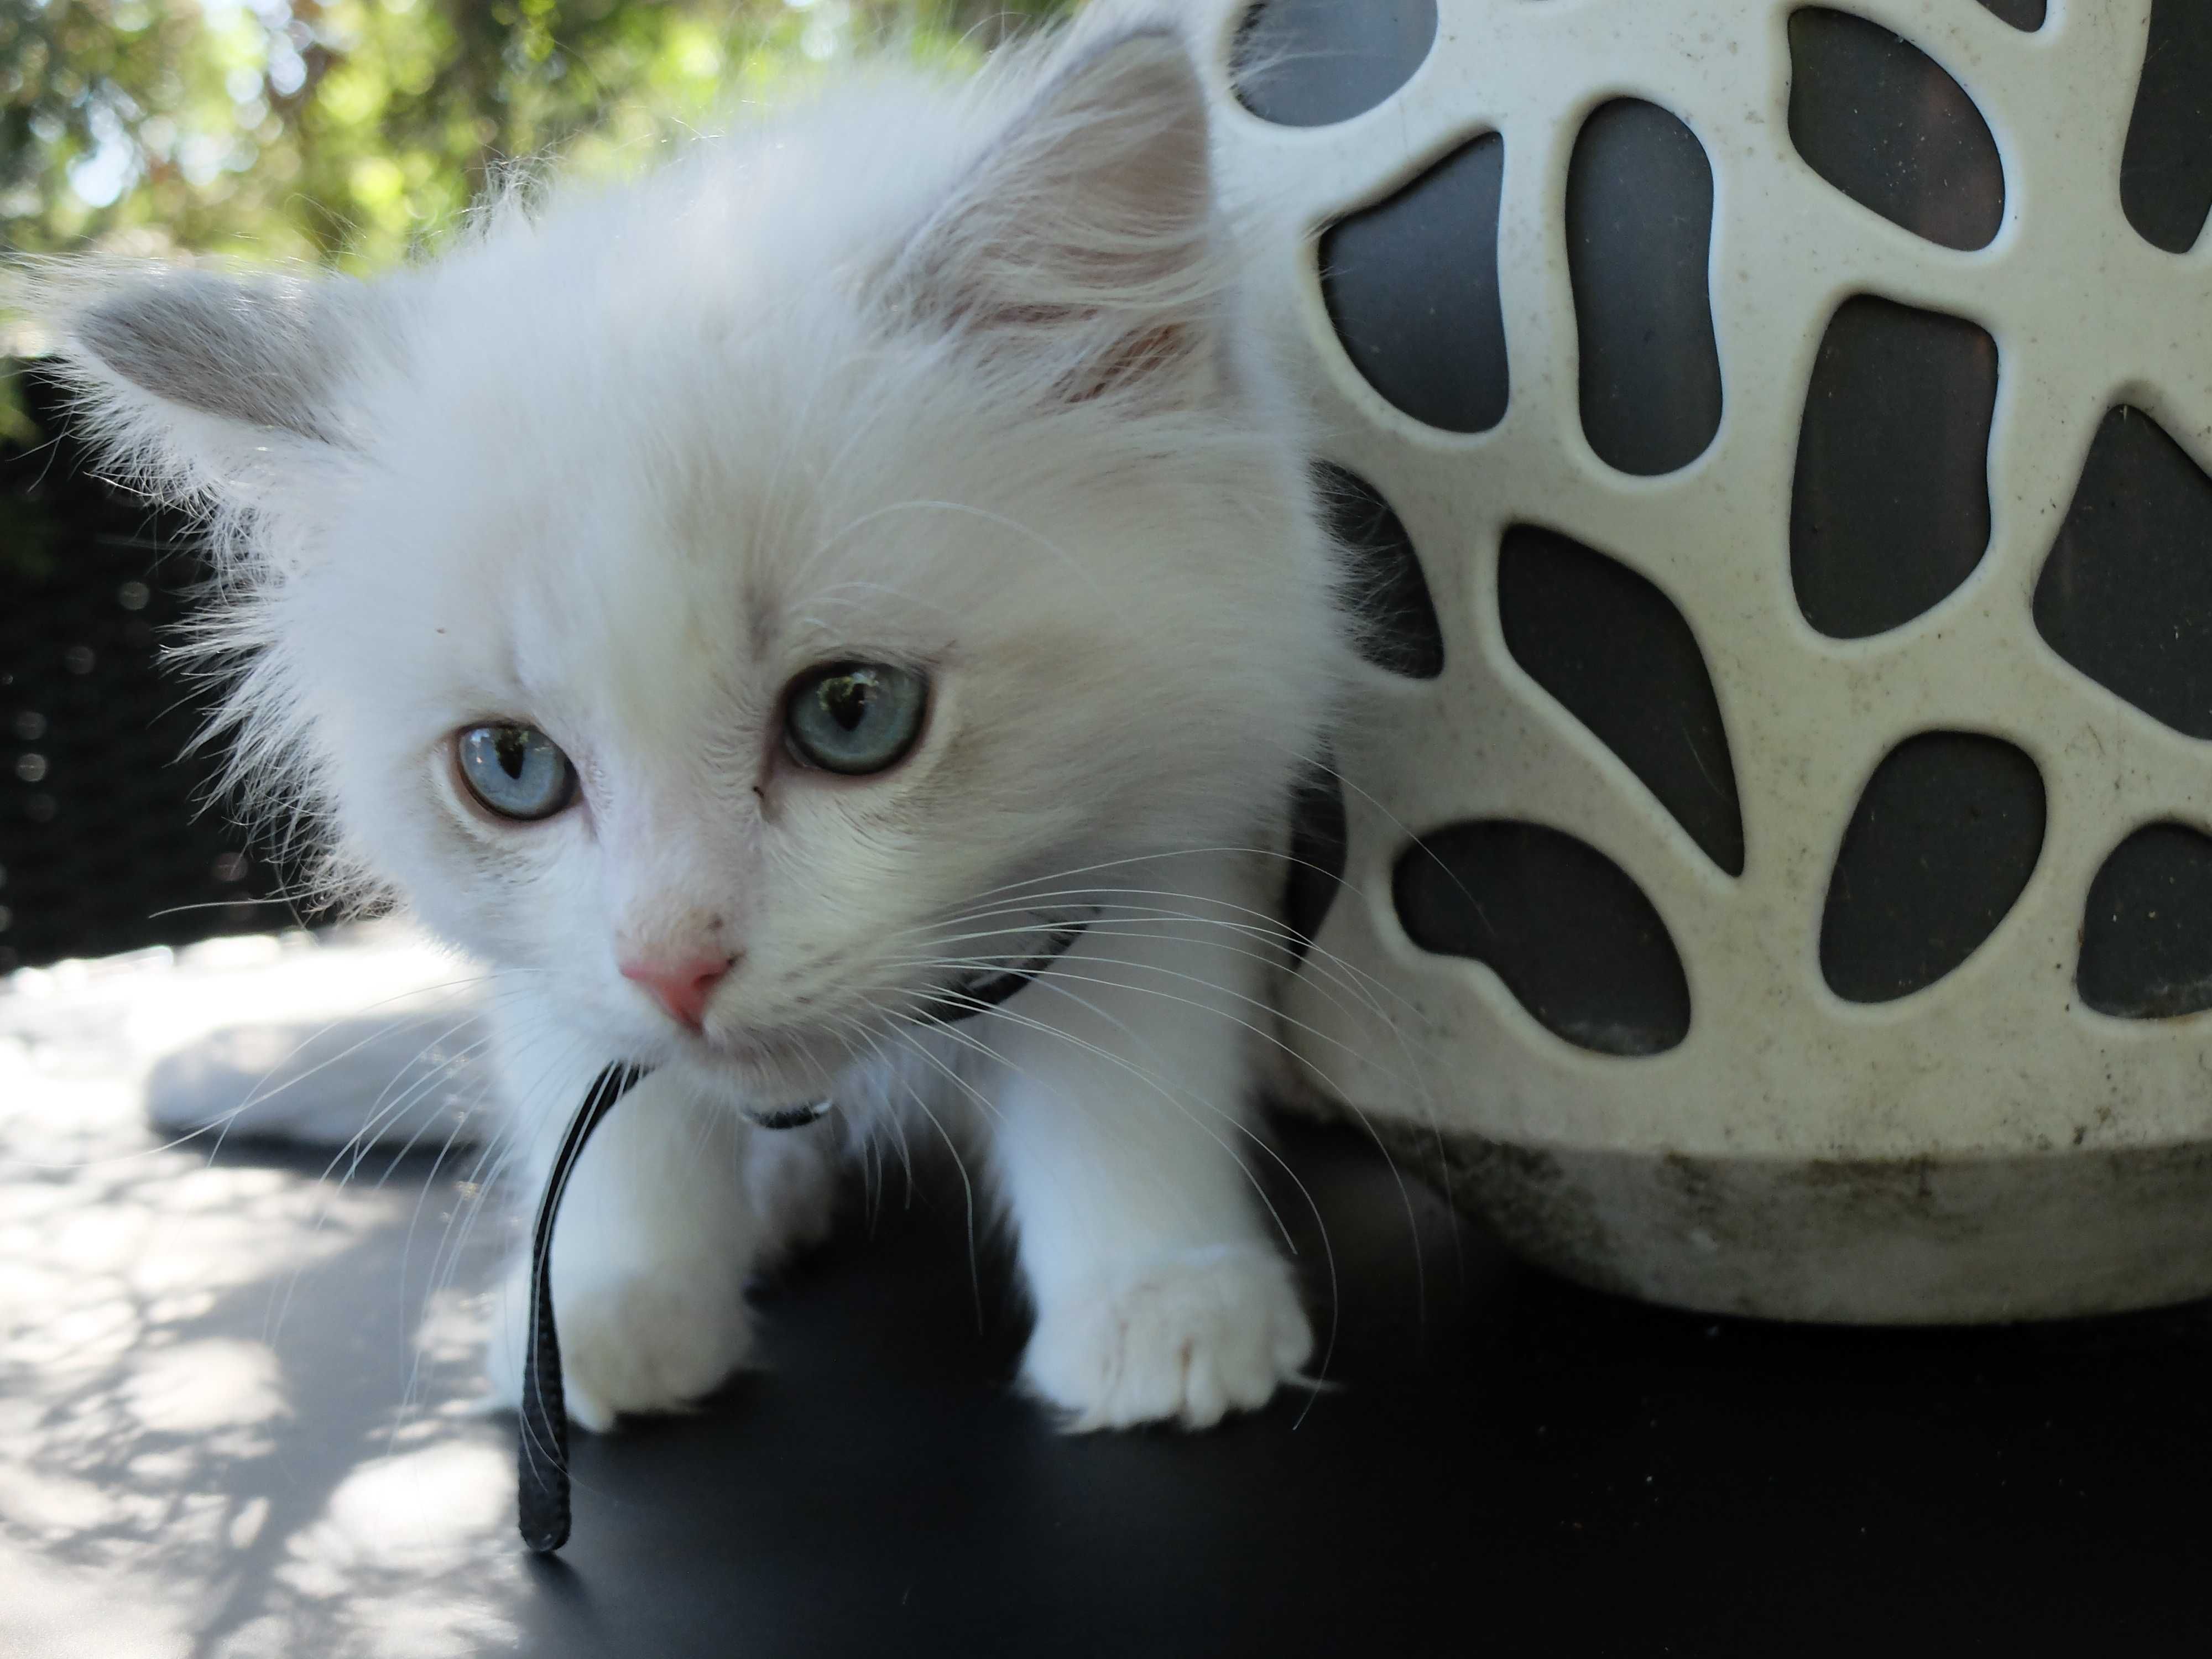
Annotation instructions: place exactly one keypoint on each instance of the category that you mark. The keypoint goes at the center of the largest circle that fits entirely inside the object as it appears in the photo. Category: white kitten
(760, 608)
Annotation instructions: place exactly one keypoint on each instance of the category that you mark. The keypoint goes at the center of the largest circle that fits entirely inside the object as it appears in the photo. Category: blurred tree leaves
(344, 130)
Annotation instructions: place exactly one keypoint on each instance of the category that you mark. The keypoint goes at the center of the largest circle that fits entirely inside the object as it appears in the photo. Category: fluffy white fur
(954, 377)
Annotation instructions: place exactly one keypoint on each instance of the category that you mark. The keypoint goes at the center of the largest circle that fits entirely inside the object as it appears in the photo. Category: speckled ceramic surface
(1986, 1145)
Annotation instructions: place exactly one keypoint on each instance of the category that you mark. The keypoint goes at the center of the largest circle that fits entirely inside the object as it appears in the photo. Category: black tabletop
(1501, 1463)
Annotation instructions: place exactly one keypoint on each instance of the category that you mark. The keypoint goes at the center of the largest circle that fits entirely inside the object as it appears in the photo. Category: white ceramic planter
(1986, 1145)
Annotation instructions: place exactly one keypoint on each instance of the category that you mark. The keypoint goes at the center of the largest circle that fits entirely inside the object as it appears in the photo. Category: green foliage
(344, 131)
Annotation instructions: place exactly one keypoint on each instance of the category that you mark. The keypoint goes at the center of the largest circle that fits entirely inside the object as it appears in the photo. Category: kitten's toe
(645, 1341)
(1187, 1337)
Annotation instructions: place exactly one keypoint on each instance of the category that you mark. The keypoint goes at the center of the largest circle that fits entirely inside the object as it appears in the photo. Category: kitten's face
(628, 478)
(1095, 663)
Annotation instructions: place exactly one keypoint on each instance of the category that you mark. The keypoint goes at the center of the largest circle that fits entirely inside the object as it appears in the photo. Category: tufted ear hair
(190, 377)
(1081, 251)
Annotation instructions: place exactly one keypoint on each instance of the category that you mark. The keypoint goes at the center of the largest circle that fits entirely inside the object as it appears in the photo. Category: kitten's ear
(186, 373)
(1082, 249)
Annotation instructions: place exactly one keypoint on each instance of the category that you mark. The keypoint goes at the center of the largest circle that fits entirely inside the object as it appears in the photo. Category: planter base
(1919, 1241)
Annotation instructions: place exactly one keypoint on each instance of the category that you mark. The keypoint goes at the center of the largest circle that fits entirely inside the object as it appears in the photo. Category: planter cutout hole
(2146, 932)
(1574, 940)
(1399, 629)
(1879, 120)
(1622, 661)
(1639, 224)
(2165, 170)
(1313, 62)
(1318, 837)
(2126, 595)
(1944, 839)
(2024, 15)
(1890, 507)
(1411, 285)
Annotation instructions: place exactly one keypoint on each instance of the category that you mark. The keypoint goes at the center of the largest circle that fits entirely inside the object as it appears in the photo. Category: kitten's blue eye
(854, 717)
(516, 771)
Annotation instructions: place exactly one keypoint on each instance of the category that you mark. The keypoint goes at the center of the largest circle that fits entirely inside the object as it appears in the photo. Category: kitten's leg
(1122, 1137)
(650, 1254)
(791, 1180)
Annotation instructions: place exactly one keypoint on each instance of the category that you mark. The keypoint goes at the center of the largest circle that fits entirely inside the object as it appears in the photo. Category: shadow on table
(217, 1441)
(227, 1405)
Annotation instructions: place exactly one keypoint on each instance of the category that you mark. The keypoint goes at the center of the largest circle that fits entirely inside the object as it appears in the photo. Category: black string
(541, 1454)
(542, 1460)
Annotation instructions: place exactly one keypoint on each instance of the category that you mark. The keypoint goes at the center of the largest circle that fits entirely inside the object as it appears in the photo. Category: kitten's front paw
(1187, 1337)
(647, 1340)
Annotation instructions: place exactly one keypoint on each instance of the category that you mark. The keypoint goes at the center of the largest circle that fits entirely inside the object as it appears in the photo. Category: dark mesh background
(102, 846)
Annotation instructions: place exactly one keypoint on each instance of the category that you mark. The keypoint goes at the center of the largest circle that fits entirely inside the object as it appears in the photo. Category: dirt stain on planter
(1909, 1240)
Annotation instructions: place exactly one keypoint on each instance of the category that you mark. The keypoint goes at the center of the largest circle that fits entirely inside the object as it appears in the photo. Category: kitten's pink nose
(682, 988)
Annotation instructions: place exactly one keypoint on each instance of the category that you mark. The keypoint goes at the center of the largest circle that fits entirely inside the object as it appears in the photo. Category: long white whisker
(967, 1185)
(274, 1324)
(1284, 939)
(1344, 973)
(1272, 923)
(1002, 1010)
(1066, 970)
(1114, 929)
